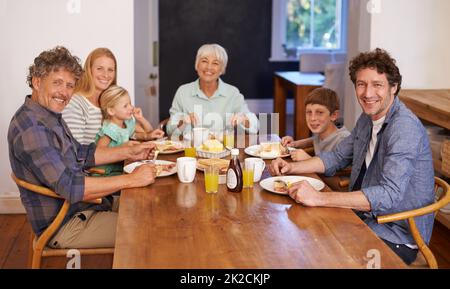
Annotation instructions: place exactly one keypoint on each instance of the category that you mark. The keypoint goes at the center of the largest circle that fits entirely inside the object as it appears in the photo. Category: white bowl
(211, 155)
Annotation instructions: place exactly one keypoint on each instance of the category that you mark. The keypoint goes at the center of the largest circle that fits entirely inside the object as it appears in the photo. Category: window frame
(279, 33)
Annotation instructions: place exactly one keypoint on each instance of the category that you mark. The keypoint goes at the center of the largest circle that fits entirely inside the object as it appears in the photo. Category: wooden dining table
(170, 224)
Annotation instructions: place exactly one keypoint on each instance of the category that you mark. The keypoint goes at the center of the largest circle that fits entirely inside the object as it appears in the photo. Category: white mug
(258, 164)
(186, 169)
(200, 135)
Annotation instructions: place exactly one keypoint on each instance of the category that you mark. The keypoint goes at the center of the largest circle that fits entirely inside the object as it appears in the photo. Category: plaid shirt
(42, 151)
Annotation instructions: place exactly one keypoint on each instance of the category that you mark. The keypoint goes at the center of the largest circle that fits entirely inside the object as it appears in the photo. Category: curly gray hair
(53, 60)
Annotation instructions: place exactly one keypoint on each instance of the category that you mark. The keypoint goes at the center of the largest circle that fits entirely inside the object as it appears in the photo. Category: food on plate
(163, 168)
(272, 150)
(281, 186)
(167, 146)
(221, 164)
(212, 145)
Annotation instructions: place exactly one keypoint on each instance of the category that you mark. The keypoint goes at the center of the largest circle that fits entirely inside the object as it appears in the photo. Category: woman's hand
(240, 118)
(191, 118)
(156, 134)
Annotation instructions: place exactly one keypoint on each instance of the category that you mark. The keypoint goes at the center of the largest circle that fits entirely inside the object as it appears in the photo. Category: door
(146, 58)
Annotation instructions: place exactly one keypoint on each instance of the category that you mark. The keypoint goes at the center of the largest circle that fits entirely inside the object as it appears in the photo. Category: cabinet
(432, 105)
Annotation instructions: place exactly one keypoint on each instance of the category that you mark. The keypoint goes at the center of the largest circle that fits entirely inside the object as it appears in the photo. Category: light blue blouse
(214, 112)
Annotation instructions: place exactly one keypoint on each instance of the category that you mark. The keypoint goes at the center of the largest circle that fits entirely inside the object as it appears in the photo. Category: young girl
(121, 121)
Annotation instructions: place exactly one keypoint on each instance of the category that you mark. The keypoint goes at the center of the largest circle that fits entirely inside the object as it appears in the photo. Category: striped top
(83, 119)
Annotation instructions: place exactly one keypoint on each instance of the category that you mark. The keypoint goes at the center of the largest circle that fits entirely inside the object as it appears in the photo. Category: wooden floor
(15, 234)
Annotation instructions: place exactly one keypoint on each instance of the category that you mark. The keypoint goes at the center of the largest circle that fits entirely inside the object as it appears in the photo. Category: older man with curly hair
(42, 151)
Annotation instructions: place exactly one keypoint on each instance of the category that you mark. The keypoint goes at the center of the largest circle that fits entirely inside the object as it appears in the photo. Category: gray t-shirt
(330, 142)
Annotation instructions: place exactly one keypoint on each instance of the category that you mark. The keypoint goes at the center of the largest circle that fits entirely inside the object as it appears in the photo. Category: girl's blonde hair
(85, 85)
(110, 97)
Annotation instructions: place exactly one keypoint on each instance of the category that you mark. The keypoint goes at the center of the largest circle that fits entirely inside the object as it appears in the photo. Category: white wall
(29, 27)
(415, 32)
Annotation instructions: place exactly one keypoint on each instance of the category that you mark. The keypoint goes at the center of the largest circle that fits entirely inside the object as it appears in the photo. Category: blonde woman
(209, 101)
(83, 115)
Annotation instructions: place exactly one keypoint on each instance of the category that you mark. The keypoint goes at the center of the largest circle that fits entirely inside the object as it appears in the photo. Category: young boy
(322, 110)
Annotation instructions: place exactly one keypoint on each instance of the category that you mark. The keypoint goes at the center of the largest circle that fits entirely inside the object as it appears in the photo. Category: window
(307, 26)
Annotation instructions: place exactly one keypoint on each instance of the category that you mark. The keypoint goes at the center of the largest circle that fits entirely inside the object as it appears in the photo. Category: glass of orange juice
(248, 174)
(189, 148)
(211, 179)
(228, 138)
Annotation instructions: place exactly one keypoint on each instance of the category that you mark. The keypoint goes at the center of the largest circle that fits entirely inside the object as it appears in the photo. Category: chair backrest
(41, 241)
(442, 193)
(316, 61)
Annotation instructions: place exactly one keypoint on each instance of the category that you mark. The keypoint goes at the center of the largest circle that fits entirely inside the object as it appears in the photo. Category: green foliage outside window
(312, 24)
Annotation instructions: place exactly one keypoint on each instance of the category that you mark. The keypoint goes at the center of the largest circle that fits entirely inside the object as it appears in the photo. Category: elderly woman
(83, 114)
(208, 101)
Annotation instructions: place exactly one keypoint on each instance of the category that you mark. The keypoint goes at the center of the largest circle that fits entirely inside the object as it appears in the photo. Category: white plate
(255, 149)
(177, 144)
(130, 167)
(267, 184)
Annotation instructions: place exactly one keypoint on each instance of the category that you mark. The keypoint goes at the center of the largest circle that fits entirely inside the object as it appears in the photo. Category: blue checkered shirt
(42, 151)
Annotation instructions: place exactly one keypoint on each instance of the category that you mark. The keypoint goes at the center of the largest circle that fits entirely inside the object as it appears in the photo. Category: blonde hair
(213, 49)
(86, 85)
(110, 97)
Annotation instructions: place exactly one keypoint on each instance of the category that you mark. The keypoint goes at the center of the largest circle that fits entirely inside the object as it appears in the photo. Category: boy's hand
(299, 155)
(287, 141)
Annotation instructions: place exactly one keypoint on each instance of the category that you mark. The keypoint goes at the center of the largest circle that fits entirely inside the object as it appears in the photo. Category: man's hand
(143, 175)
(279, 167)
(302, 192)
(139, 151)
(287, 141)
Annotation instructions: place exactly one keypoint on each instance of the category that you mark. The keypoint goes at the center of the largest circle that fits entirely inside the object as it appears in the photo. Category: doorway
(146, 59)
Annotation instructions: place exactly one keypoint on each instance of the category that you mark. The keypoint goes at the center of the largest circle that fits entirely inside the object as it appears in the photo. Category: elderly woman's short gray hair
(215, 50)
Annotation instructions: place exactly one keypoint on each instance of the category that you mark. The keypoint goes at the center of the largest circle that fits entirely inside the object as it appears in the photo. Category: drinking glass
(248, 174)
(211, 179)
(228, 138)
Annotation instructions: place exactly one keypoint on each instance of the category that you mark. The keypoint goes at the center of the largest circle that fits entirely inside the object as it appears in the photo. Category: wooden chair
(442, 192)
(38, 245)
